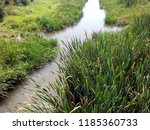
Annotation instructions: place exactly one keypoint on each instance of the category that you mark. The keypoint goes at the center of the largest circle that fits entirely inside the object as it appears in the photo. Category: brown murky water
(93, 20)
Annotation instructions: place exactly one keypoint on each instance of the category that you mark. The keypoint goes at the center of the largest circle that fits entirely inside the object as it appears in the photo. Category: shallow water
(93, 20)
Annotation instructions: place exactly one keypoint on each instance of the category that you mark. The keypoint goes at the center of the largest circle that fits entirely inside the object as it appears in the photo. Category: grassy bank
(21, 49)
(108, 73)
(17, 59)
(121, 12)
(49, 15)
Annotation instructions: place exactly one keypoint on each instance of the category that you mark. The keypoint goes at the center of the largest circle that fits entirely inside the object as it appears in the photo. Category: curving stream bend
(93, 20)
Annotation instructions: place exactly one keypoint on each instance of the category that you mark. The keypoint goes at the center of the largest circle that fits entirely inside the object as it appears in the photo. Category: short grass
(121, 15)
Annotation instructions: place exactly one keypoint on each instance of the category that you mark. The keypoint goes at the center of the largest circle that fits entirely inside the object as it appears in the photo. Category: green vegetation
(130, 3)
(121, 12)
(21, 49)
(5, 3)
(17, 59)
(49, 15)
(1, 11)
(17, 2)
(108, 73)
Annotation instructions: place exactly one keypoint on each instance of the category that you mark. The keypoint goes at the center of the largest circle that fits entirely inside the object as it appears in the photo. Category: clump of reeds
(141, 23)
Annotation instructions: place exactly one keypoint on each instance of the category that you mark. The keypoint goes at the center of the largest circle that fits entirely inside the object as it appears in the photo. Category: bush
(24, 2)
(130, 3)
(2, 13)
(17, 2)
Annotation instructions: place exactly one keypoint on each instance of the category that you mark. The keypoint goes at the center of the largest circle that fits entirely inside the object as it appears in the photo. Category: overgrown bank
(17, 59)
(108, 73)
(21, 49)
(49, 15)
(121, 12)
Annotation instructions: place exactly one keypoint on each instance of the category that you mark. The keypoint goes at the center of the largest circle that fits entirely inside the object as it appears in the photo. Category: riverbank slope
(21, 49)
(121, 13)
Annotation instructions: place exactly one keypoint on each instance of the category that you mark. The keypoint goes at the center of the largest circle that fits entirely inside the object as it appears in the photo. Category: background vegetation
(121, 12)
(1, 10)
(130, 3)
(49, 15)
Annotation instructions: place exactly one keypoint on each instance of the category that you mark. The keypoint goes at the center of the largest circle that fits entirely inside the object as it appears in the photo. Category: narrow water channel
(93, 20)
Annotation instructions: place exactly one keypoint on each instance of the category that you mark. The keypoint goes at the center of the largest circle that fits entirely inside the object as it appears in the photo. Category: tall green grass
(18, 58)
(141, 23)
(47, 15)
(66, 14)
(121, 12)
(108, 73)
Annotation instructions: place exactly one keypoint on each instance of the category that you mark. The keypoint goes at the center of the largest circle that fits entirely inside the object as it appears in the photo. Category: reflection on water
(92, 21)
